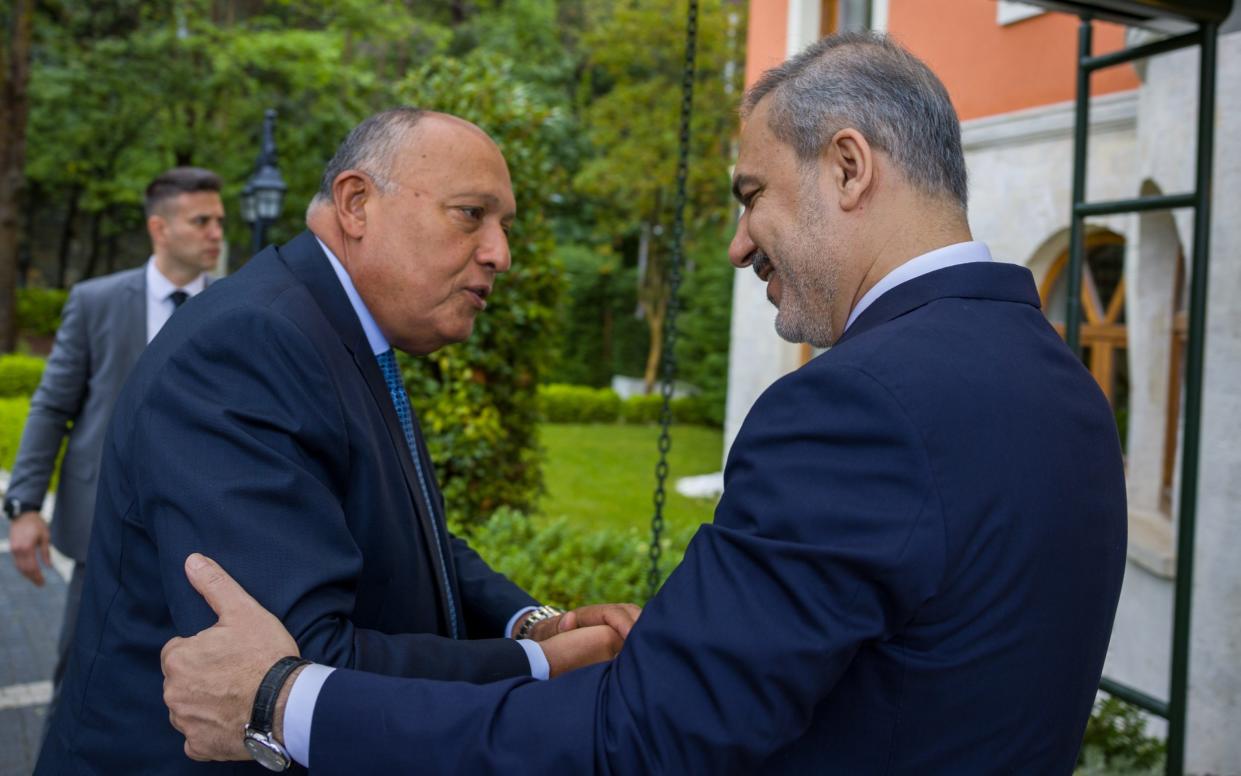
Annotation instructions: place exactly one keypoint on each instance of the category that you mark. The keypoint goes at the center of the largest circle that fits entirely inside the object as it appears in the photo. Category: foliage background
(582, 96)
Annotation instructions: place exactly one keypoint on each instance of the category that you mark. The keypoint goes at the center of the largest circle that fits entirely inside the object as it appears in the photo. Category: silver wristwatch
(538, 615)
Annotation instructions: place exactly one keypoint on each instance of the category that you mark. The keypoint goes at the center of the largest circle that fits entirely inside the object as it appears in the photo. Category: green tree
(14, 106)
(632, 122)
(124, 90)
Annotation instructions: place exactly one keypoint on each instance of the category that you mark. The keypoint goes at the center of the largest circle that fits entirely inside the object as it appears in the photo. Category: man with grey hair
(268, 425)
(918, 553)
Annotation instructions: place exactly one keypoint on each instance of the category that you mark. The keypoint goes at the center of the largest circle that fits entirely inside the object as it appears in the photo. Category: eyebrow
(740, 181)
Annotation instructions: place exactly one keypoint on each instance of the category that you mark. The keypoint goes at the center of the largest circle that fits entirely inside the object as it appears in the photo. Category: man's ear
(351, 191)
(852, 163)
(157, 228)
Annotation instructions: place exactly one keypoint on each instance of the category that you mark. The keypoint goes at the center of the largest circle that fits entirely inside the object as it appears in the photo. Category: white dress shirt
(159, 297)
(299, 711)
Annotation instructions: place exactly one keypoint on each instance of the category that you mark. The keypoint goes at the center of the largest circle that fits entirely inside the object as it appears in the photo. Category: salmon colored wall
(987, 68)
(765, 40)
(992, 69)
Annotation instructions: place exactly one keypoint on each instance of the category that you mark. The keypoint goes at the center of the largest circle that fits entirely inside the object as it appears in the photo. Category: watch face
(266, 753)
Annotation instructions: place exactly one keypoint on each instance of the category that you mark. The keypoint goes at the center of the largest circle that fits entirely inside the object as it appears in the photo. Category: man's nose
(741, 249)
(494, 251)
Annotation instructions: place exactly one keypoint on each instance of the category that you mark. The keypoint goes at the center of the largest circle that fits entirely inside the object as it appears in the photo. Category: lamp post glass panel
(263, 196)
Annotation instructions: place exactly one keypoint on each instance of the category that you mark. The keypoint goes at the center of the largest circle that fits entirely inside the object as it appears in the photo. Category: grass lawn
(604, 474)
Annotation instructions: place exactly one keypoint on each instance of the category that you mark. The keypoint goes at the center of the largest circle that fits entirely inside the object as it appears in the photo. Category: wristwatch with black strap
(259, 741)
(14, 508)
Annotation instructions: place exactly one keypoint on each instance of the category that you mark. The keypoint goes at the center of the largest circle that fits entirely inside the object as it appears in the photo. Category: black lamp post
(263, 196)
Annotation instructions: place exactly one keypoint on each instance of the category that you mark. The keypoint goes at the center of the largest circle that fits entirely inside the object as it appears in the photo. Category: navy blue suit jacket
(257, 428)
(913, 569)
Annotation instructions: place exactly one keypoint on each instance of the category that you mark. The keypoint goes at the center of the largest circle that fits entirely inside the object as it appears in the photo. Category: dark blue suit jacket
(257, 428)
(913, 569)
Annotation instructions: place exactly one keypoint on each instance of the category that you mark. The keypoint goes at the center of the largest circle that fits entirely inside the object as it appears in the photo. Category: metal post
(258, 234)
(1182, 608)
(1077, 224)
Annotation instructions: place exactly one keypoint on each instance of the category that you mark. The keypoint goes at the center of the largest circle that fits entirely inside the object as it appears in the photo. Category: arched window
(1104, 334)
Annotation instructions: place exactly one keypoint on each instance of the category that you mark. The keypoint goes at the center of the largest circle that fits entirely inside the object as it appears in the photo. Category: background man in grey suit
(105, 325)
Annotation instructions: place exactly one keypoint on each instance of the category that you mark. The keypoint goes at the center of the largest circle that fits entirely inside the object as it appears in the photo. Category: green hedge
(560, 403)
(13, 413)
(567, 564)
(38, 309)
(578, 404)
(19, 375)
(641, 410)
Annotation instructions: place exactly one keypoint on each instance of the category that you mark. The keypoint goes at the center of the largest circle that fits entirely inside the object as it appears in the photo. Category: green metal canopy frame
(1202, 18)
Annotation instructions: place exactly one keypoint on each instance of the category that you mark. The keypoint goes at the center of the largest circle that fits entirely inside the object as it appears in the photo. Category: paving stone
(29, 627)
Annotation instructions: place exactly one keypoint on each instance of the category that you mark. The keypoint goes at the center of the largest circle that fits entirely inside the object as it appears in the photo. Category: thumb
(218, 589)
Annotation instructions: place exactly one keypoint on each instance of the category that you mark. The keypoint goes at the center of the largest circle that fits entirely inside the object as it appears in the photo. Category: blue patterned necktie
(400, 401)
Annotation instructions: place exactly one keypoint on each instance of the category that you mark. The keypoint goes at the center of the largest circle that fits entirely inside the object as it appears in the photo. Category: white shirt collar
(948, 256)
(160, 287)
(374, 337)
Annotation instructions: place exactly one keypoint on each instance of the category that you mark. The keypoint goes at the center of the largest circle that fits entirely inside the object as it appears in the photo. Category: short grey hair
(865, 81)
(371, 147)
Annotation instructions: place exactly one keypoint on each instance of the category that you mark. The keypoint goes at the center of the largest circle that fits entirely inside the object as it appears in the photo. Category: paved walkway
(29, 626)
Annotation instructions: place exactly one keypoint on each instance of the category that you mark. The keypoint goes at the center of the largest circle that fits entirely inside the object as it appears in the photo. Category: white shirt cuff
(299, 710)
(539, 667)
(508, 629)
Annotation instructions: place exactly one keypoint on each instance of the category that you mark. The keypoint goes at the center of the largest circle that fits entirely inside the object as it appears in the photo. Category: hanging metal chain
(669, 360)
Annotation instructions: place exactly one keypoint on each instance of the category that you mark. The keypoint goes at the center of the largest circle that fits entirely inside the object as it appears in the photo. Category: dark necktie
(178, 298)
(400, 401)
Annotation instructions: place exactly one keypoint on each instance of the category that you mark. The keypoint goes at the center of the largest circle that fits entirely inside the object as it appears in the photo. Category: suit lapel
(132, 316)
(307, 261)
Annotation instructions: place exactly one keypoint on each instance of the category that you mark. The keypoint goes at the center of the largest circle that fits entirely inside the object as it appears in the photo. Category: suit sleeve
(56, 402)
(239, 453)
(488, 597)
(829, 535)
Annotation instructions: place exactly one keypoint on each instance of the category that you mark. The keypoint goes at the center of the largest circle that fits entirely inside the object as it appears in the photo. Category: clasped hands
(210, 679)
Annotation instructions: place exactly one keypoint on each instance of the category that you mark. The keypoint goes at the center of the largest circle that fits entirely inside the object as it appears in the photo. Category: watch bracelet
(537, 616)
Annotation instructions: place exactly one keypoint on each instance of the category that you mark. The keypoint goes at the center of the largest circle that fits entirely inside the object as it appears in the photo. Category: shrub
(578, 404)
(13, 413)
(1116, 741)
(695, 411)
(642, 410)
(19, 375)
(38, 309)
(567, 564)
(477, 400)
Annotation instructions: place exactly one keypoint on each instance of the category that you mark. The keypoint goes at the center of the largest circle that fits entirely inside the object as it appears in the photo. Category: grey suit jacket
(102, 333)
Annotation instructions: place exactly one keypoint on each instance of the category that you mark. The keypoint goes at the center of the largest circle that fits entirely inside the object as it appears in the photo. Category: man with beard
(917, 557)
